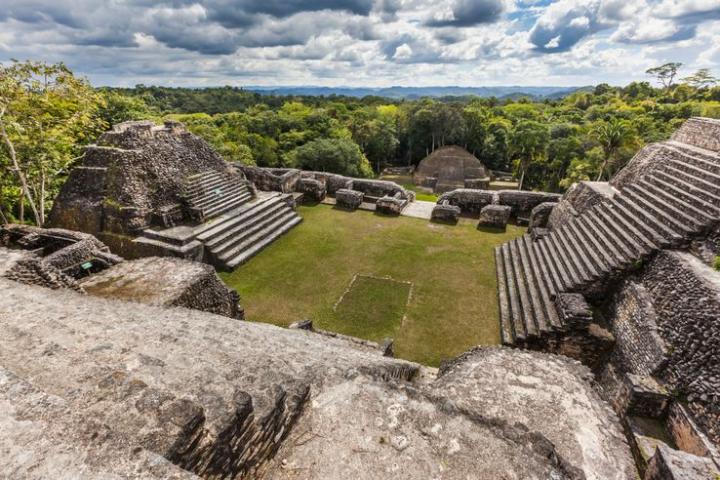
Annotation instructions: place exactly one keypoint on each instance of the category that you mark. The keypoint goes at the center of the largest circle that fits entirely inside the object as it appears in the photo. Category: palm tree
(612, 136)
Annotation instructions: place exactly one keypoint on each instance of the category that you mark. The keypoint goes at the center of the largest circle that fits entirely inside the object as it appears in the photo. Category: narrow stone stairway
(668, 206)
(235, 239)
(209, 194)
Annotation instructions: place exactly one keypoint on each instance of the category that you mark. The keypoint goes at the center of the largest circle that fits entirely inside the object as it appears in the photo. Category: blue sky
(363, 42)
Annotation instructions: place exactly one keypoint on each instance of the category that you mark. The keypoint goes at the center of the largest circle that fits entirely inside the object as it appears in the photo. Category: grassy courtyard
(429, 286)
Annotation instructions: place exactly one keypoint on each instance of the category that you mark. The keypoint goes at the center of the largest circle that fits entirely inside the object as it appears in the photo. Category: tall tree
(665, 74)
(529, 142)
(701, 79)
(45, 114)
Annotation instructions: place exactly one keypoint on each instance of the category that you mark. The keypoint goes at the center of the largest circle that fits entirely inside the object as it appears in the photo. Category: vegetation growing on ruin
(453, 304)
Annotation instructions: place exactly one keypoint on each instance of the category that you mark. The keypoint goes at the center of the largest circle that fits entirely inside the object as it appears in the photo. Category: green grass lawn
(452, 304)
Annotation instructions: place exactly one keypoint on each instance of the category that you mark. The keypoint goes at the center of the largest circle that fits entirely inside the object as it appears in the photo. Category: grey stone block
(445, 213)
(349, 199)
(494, 216)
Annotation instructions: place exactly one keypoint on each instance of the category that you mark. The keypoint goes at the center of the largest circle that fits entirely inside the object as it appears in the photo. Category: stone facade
(451, 167)
(579, 198)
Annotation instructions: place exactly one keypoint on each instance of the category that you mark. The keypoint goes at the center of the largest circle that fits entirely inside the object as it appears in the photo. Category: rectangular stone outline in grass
(357, 320)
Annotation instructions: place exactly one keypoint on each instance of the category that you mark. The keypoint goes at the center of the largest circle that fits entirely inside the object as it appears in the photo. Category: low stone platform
(168, 282)
(111, 388)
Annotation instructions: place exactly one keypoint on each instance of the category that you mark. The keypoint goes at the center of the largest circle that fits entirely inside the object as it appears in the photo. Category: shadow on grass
(495, 230)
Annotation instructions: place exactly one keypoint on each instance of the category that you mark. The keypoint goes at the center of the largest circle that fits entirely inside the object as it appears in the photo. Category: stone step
(543, 249)
(212, 200)
(685, 192)
(546, 273)
(227, 205)
(681, 220)
(217, 230)
(507, 336)
(203, 177)
(590, 247)
(256, 236)
(699, 157)
(581, 248)
(210, 184)
(700, 188)
(527, 305)
(514, 295)
(230, 227)
(540, 278)
(649, 221)
(209, 197)
(625, 255)
(574, 255)
(700, 216)
(249, 228)
(696, 170)
(274, 232)
(563, 261)
(538, 323)
(621, 229)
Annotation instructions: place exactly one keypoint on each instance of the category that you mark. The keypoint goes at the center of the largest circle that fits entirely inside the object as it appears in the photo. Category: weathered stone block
(583, 339)
(670, 464)
(390, 205)
(469, 200)
(313, 190)
(523, 202)
(494, 216)
(349, 199)
(445, 213)
(540, 214)
(642, 396)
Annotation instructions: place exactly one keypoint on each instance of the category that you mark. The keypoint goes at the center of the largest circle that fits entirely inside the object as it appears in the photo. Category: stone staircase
(234, 240)
(212, 193)
(675, 200)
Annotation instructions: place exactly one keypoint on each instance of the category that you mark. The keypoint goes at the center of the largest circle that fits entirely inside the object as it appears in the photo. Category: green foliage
(341, 156)
(46, 115)
(716, 263)
(588, 135)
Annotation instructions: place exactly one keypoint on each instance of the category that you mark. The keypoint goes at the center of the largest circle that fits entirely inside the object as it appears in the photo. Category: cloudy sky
(362, 42)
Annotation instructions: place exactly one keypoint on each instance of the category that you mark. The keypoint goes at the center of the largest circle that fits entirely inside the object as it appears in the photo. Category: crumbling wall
(472, 201)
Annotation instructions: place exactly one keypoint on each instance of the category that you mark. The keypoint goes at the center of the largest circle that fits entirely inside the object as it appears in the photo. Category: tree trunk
(41, 208)
(522, 178)
(602, 170)
(21, 209)
(19, 172)
(3, 217)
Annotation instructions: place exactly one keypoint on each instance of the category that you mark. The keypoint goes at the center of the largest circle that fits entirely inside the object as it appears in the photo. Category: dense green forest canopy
(548, 145)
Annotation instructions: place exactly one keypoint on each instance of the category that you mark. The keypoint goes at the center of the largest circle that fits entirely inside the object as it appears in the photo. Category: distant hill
(418, 92)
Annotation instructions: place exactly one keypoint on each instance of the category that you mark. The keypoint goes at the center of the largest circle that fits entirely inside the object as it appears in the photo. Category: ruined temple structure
(451, 167)
(147, 190)
(619, 275)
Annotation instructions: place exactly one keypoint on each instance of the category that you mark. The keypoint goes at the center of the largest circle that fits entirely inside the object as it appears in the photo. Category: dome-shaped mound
(451, 167)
